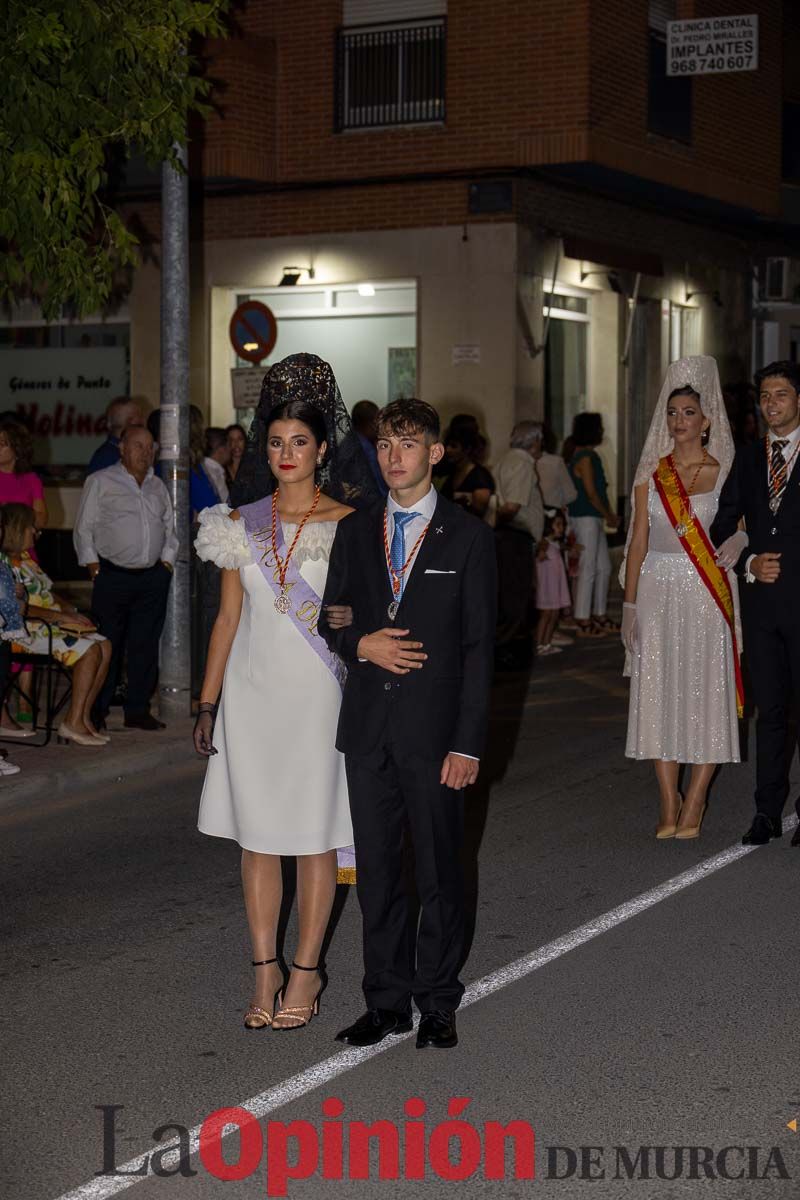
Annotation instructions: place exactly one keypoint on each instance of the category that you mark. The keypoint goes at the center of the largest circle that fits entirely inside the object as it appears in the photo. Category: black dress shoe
(437, 1029)
(147, 721)
(374, 1026)
(762, 829)
(795, 837)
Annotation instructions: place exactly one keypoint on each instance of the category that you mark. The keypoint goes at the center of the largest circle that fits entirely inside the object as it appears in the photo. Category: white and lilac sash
(304, 603)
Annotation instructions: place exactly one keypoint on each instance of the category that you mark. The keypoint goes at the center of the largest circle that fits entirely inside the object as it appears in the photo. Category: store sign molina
(63, 396)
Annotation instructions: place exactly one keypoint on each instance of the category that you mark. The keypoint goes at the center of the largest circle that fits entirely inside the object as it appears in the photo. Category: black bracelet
(206, 707)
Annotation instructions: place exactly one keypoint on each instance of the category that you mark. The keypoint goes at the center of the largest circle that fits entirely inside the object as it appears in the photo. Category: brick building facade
(544, 219)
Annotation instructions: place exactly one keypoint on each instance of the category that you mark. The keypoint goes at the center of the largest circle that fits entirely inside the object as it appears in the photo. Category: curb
(58, 777)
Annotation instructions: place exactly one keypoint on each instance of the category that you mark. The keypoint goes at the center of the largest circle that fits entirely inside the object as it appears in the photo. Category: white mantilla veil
(700, 373)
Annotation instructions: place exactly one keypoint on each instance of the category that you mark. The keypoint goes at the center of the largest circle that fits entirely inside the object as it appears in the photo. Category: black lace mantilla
(346, 475)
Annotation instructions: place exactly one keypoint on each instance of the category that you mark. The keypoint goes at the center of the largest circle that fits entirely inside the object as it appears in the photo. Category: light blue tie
(398, 550)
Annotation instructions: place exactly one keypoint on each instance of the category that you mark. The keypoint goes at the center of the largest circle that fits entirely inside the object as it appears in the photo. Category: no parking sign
(253, 331)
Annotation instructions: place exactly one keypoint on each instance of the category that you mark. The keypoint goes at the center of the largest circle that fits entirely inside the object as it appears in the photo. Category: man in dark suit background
(419, 574)
(764, 488)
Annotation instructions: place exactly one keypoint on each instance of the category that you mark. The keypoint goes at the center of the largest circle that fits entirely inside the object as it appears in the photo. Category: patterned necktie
(398, 550)
(777, 473)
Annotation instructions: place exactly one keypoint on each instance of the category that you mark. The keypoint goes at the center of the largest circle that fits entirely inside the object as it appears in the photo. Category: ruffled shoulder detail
(221, 540)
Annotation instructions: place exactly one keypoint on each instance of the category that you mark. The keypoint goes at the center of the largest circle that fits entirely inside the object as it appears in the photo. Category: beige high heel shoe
(257, 1017)
(692, 831)
(668, 831)
(296, 1016)
(65, 734)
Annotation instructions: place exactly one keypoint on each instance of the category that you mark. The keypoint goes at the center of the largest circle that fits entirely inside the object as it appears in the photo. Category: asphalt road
(125, 974)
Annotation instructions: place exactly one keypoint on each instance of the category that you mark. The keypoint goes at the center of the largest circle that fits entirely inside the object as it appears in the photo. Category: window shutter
(378, 12)
(659, 12)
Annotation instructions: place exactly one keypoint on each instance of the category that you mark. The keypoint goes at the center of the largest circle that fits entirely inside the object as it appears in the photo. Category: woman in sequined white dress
(275, 782)
(683, 697)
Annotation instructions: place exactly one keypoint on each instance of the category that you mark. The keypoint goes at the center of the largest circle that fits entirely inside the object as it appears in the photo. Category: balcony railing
(391, 74)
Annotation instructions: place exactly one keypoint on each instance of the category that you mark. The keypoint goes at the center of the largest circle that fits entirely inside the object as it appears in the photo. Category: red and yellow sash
(700, 551)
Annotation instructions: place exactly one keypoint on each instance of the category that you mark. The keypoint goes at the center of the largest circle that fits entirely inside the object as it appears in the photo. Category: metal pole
(175, 668)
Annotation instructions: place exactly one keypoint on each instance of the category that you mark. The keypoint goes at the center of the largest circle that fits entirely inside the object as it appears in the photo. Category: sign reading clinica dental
(710, 45)
(63, 394)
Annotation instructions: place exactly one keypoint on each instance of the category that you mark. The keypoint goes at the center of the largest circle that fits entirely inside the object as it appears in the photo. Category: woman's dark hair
(17, 519)
(21, 442)
(465, 436)
(587, 429)
(686, 390)
(784, 369)
(299, 410)
(230, 429)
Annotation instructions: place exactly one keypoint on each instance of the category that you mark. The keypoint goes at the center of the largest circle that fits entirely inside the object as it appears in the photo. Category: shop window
(669, 98)
(791, 142)
(391, 74)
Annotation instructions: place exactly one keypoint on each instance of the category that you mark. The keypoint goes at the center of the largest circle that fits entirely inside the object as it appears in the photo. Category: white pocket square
(431, 571)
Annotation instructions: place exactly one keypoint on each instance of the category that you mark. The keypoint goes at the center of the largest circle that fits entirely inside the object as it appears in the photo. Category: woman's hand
(630, 628)
(339, 615)
(729, 552)
(203, 732)
(75, 620)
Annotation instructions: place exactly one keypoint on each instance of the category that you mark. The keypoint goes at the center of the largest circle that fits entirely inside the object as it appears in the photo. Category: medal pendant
(681, 530)
(282, 602)
(774, 505)
(392, 610)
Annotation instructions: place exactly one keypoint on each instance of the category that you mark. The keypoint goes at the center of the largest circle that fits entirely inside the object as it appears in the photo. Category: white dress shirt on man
(788, 454)
(129, 525)
(518, 483)
(555, 482)
(216, 473)
(425, 509)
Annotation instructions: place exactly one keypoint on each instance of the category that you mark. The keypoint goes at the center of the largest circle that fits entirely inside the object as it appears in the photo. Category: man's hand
(340, 616)
(168, 565)
(459, 772)
(385, 649)
(766, 567)
(93, 569)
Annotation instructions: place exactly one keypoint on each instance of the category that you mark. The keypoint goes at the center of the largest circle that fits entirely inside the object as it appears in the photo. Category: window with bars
(391, 74)
(669, 98)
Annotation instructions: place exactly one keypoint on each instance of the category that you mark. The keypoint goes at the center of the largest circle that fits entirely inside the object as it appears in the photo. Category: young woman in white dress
(275, 782)
(680, 611)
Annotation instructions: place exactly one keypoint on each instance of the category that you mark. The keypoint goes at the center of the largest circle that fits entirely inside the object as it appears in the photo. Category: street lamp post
(175, 667)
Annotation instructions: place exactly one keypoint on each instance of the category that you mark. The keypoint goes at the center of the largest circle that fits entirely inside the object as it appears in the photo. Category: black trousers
(129, 607)
(386, 789)
(772, 642)
(515, 583)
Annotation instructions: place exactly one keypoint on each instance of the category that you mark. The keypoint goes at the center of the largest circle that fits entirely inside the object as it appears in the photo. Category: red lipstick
(288, 467)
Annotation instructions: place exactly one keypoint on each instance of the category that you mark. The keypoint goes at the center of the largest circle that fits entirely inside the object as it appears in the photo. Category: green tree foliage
(80, 82)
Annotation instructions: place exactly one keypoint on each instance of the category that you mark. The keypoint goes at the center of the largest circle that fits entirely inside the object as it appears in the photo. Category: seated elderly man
(125, 537)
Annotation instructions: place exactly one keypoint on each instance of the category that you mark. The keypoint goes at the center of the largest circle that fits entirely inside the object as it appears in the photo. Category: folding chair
(52, 683)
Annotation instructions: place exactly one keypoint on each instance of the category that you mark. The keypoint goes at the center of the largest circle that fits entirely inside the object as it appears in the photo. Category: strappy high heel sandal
(296, 1016)
(257, 1017)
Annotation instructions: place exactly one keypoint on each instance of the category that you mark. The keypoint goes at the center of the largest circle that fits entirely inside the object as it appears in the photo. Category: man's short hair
(135, 429)
(525, 433)
(784, 369)
(364, 414)
(409, 416)
(216, 438)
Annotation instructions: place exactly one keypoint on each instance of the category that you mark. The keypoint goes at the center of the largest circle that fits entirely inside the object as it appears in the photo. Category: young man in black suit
(419, 575)
(764, 488)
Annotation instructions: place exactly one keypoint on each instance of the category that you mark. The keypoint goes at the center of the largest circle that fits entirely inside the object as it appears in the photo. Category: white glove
(630, 629)
(728, 553)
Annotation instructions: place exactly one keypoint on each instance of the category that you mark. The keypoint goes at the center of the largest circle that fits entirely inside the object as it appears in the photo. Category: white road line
(323, 1072)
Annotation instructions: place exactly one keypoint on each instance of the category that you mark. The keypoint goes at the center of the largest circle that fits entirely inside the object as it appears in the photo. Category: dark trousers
(515, 582)
(772, 642)
(386, 790)
(129, 607)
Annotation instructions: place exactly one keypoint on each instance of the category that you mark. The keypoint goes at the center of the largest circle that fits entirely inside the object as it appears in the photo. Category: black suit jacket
(444, 706)
(745, 493)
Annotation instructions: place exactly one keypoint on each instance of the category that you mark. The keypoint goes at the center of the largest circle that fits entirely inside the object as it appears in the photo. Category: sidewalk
(53, 771)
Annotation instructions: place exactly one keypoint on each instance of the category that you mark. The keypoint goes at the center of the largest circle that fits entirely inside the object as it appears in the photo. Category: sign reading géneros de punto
(710, 45)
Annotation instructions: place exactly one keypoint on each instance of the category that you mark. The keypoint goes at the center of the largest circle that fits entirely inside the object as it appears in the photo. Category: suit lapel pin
(440, 528)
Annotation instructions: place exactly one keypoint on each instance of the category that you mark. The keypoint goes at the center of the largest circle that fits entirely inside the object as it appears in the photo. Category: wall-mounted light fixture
(291, 275)
(715, 296)
(612, 277)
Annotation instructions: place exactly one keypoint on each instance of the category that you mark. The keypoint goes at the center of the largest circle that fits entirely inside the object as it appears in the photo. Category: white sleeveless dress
(277, 784)
(683, 686)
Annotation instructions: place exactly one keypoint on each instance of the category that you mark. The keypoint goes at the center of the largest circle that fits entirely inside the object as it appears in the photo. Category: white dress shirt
(793, 439)
(412, 529)
(518, 483)
(131, 526)
(216, 473)
(555, 482)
